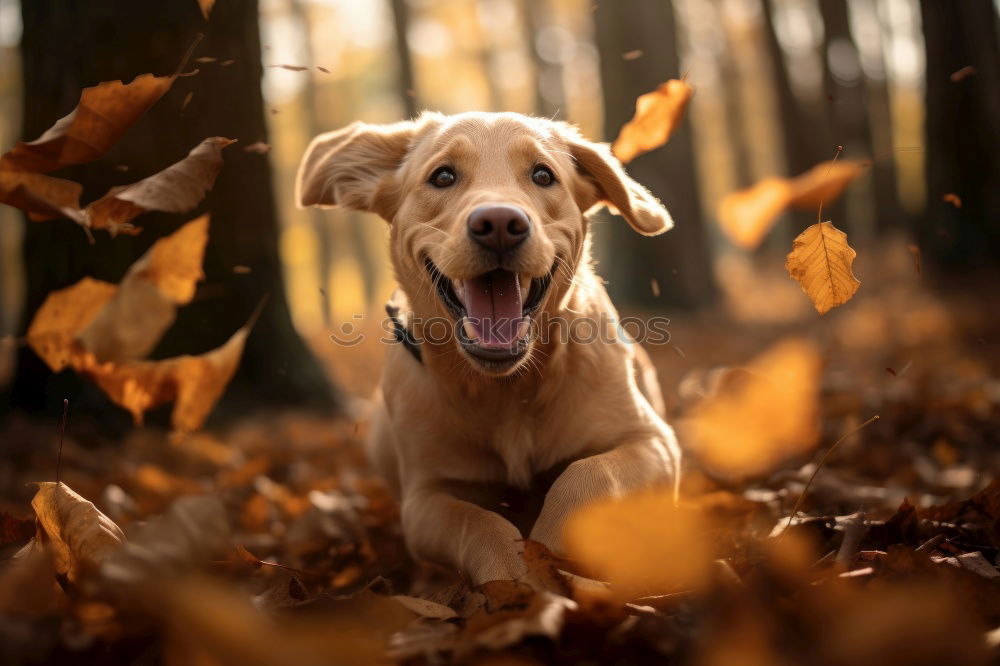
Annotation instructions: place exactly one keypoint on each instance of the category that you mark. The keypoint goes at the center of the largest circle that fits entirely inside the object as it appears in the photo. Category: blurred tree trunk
(549, 94)
(70, 44)
(847, 115)
(320, 224)
(679, 260)
(963, 134)
(407, 82)
(799, 137)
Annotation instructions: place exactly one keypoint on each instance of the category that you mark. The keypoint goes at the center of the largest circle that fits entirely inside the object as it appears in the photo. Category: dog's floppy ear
(353, 167)
(605, 181)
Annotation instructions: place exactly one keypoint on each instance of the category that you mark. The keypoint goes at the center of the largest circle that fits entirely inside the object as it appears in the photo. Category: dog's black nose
(498, 227)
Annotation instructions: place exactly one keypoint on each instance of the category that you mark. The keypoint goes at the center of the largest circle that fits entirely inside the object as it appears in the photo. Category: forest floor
(272, 540)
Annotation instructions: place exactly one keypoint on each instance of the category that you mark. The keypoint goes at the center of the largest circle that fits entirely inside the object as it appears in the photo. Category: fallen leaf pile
(103, 115)
(103, 331)
(274, 540)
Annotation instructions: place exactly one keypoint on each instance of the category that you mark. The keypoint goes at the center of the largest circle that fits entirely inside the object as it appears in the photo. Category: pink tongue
(493, 303)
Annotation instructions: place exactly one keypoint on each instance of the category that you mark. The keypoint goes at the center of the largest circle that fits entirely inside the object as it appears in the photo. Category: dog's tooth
(470, 330)
(523, 328)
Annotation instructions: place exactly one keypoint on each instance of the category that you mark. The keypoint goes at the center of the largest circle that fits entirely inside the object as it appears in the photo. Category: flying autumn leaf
(821, 262)
(746, 216)
(80, 536)
(657, 115)
(63, 316)
(206, 7)
(765, 414)
(102, 116)
(145, 304)
(953, 199)
(193, 383)
(177, 189)
(42, 197)
(642, 544)
(824, 183)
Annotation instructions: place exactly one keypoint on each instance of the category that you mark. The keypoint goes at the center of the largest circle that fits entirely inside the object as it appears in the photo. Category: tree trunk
(963, 135)
(550, 97)
(70, 44)
(801, 148)
(407, 81)
(678, 261)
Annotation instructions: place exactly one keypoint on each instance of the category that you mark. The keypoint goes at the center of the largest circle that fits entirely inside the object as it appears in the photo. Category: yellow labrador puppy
(513, 362)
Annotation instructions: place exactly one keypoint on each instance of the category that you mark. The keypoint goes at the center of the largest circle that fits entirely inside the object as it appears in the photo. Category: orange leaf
(821, 262)
(102, 116)
(767, 413)
(748, 215)
(657, 115)
(642, 544)
(193, 383)
(43, 197)
(206, 7)
(63, 316)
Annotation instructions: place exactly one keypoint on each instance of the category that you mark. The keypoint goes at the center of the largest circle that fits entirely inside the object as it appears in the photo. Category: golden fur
(451, 426)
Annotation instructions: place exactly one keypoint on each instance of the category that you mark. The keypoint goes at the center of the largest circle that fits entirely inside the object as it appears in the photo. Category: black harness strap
(403, 334)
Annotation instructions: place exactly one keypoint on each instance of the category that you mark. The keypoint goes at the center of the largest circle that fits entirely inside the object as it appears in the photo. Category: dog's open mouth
(493, 311)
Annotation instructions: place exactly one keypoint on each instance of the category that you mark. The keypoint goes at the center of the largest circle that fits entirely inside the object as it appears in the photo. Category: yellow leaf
(765, 415)
(746, 216)
(821, 261)
(80, 536)
(63, 315)
(133, 322)
(642, 544)
(657, 115)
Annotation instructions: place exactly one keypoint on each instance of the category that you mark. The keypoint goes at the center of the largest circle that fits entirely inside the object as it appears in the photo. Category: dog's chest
(515, 441)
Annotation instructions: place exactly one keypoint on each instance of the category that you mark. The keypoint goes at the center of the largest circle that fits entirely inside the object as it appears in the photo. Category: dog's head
(487, 214)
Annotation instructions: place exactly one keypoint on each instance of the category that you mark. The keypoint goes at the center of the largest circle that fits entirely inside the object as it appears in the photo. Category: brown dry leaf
(102, 116)
(177, 189)
(953, 199)
(748, 215)
(186, 538)
(642, 544)
(657, 115)
(766, 416)
(962, 74)
(291, 68)
(193, 383)
(821, 262)
(61, 318)
(42, 197)
(80, 536)
(206, 7)
(145, 305)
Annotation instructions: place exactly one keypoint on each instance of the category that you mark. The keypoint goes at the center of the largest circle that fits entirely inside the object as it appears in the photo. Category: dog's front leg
(481, 544)
(626, 468)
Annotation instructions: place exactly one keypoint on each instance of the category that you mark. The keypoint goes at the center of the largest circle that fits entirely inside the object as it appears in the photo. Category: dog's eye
(543, 176)
(443, 177)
